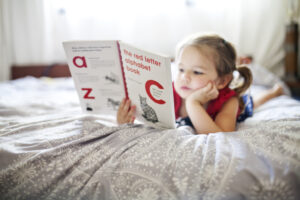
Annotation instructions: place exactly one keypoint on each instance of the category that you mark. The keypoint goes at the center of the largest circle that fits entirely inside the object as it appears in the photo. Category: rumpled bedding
(49, 149)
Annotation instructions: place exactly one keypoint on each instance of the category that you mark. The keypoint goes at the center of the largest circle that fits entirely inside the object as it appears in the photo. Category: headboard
(53, 70)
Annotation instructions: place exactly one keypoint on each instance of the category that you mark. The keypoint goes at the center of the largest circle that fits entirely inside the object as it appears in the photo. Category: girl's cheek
(200, 84)
(176, 84)
(176, 80)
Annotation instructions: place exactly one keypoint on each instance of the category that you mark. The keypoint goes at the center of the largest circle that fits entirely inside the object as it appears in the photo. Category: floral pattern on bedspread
(80, 158)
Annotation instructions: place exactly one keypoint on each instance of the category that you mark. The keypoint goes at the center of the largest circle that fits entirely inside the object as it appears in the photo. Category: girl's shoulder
(215, 106)
(232, 102)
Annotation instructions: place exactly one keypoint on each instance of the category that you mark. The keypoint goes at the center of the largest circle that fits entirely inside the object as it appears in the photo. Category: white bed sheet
(50, 149)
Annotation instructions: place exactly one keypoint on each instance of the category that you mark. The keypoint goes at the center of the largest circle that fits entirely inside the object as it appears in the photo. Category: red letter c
(147, 87)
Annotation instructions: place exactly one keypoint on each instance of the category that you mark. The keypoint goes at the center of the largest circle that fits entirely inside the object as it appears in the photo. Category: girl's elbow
(205, 132)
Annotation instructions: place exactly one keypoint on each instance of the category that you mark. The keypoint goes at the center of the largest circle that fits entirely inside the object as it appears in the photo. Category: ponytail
(247, 76)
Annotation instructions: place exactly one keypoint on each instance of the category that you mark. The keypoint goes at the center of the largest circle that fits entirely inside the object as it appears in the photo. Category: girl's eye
(181, 70)
(197, 72)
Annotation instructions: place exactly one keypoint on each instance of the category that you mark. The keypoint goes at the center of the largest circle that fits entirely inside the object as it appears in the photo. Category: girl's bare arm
(225, 120)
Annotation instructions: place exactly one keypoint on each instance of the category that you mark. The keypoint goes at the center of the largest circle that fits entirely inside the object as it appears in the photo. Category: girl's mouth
(185, 88)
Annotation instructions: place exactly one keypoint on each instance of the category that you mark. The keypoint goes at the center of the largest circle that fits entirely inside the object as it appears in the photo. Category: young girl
(209, 87)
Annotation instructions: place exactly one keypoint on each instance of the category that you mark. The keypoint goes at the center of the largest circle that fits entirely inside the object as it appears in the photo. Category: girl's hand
(126, 112)
(205, 94)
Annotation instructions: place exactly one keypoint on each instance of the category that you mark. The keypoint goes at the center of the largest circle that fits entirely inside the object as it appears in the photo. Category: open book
(105, 72)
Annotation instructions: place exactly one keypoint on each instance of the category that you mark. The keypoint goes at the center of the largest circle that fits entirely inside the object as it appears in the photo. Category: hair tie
(237, 81)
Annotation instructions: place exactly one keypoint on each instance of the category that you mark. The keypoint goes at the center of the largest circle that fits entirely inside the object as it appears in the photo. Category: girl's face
(195, 70)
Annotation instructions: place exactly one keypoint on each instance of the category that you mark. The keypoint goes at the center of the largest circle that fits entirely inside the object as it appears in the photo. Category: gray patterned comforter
(49, 150)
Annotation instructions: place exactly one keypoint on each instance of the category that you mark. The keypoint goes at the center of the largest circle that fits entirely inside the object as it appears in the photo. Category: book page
(96, 71)
(149, 84)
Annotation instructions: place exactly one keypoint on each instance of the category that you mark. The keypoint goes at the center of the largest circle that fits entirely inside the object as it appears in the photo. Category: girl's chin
(184, 95)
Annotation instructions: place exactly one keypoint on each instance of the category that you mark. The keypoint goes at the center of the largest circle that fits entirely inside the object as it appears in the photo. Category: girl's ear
(224, 81)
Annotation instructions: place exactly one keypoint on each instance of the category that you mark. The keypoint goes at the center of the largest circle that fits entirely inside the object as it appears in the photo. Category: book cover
(105, 72)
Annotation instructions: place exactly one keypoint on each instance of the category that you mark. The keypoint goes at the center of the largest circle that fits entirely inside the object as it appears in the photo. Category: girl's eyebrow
(180, 65)
(193, 67)
(200, 66)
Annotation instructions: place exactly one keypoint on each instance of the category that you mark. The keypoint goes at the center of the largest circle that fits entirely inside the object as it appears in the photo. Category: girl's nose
(186, 77)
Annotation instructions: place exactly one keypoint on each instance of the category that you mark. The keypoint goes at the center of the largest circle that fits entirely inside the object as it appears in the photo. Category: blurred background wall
(32, 30)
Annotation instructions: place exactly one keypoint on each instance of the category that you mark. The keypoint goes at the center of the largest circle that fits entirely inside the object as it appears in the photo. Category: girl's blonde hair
(224, 58)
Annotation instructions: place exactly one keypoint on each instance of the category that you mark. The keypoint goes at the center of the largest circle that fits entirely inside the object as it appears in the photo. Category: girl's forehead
(200, 50)
(204, 50)
(197, 54)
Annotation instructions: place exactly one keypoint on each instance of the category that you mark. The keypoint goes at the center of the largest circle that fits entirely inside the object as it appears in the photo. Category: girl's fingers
(127, 105)
(211, 91)
(131, 112)
(123, 102)
(126, 112)
(212, 88)
(132, 119)
(214, 92)
(121, 106)
(133, 108)
(208, 87)
(122, 112)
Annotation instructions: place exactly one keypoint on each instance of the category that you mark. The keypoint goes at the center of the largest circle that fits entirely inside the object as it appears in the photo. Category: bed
(49, 149)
